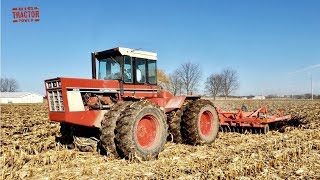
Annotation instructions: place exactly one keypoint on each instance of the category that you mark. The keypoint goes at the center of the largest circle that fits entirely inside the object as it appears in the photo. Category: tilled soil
(29, 150)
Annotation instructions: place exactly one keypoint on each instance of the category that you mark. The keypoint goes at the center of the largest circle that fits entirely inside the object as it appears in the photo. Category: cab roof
(118, 51)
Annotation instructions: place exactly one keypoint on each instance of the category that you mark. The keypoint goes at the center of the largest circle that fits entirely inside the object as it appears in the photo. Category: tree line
(186, 80)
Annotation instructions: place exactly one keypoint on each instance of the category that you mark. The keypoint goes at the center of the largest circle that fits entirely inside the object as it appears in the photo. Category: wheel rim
(146, 131)
(206, 123)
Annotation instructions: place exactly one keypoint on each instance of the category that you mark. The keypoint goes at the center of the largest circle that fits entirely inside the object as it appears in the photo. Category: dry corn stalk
(29, 150)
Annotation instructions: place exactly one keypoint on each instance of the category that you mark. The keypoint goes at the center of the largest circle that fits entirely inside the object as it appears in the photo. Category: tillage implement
(255, 122)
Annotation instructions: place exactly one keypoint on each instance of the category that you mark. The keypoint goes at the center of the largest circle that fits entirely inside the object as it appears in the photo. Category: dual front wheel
(134, 129)
(141, 131)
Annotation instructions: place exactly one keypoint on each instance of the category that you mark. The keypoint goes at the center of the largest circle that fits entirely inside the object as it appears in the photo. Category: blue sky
(274, 45)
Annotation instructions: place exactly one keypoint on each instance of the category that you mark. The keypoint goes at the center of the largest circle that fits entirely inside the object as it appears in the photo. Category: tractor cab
(129, 66)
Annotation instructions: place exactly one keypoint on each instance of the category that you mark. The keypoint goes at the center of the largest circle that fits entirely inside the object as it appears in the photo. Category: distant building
(20, 97)
(259, 97)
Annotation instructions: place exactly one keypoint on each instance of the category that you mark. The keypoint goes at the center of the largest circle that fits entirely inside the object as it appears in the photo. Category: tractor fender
(175, 102)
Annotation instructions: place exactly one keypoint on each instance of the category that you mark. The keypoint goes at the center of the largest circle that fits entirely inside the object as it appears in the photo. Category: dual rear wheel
(200, 123)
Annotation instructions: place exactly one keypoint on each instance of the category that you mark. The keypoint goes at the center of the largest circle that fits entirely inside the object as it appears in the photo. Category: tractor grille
(55, 95)
(55, 100)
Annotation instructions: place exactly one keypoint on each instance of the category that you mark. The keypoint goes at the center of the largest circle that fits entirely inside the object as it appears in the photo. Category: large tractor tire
(108, 126)
(141, 131)
(174, 121)
(200, 123)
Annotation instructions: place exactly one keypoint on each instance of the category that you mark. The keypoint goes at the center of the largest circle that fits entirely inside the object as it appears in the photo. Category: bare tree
(213, 85)
(8, 85)
(229, 81)
(163, 80)
(175, 83)
(190, 75)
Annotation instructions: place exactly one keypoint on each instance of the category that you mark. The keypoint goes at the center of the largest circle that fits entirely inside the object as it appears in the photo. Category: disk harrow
(245, 130)
(256, 122)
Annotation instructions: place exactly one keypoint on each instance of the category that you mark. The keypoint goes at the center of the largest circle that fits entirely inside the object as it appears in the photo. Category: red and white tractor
(122, 108)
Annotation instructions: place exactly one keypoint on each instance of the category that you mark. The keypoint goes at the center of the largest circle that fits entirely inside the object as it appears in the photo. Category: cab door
(145, 77)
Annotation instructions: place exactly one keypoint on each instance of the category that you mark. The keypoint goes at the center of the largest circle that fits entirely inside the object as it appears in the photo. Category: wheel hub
(146, 131)
(206, 123)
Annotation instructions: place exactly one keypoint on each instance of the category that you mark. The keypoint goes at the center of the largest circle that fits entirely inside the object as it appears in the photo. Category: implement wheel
(141, 131)
(200, 123)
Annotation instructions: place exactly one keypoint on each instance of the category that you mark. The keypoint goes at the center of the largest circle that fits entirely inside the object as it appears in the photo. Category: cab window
(152, 72)
(127, 69)
(109, 68)
(140, 70)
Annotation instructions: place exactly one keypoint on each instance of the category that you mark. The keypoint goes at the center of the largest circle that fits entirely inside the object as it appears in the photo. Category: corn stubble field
(29, 150)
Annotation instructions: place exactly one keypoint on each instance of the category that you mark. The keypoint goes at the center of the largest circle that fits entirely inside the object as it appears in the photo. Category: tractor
(122, 108)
